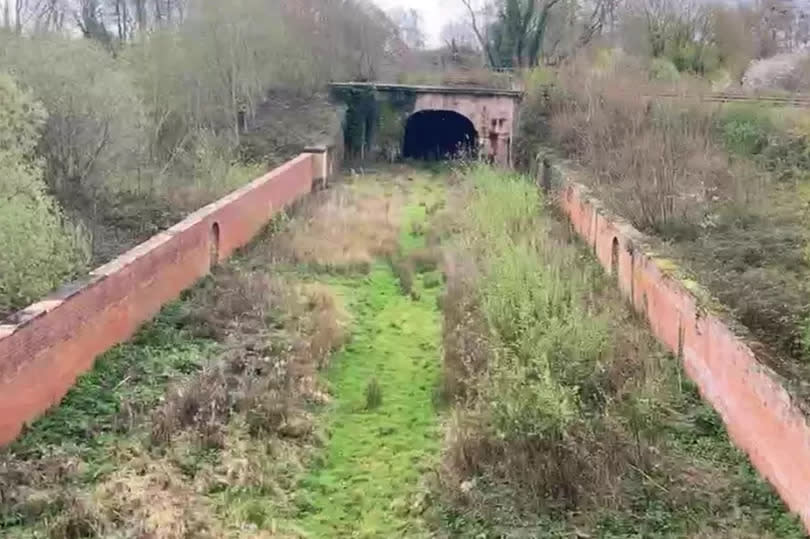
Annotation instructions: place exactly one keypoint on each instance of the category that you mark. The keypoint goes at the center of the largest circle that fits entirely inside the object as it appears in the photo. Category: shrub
(691, 57)
(40, 249)
(544, 345)
(94, 134)
(655, 164)
(745, 128)
(523, 356)
(664, 70)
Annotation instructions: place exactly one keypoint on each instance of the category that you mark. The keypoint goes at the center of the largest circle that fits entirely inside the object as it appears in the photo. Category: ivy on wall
(374, 124)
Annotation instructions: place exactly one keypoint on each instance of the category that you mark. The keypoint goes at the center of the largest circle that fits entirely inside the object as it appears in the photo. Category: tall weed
(542, 343)
(655, 163)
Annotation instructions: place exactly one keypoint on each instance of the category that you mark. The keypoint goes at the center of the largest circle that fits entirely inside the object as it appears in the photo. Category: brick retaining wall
(759, 414)
(54, 341)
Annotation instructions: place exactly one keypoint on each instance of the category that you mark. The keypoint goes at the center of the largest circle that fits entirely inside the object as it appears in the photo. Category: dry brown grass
(326, 324)
(267, 376)
(464, 332)
(238, 301)
(144, 497)
(581, 471)
(653, 162)
(344, 229)
(30, 487)
(150, 498)
(251, 404)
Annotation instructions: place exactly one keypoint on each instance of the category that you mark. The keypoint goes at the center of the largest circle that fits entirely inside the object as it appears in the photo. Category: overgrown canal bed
(412, 353)
(569, 419)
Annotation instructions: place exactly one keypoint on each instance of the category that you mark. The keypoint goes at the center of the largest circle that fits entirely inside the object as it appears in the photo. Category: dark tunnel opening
(439, 134)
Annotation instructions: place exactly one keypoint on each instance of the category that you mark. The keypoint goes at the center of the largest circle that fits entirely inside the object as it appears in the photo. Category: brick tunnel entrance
(439, 134)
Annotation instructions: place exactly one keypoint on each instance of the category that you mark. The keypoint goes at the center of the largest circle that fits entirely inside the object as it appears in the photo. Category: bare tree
(140, 14)
(89, 17)
(512, 33)
(459, 34)
(409, 23)
(673, 23)
(602, 13)
(480, 32)
(19, 10)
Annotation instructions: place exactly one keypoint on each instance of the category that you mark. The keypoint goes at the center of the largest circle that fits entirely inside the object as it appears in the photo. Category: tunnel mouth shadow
(436, 135)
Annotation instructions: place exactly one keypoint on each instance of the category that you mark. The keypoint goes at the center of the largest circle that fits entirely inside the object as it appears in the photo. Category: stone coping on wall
(761, 416)
(25, 316)
(44, 347)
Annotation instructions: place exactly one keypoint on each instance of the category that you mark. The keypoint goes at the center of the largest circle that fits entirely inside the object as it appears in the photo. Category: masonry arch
(614, 257)
(213, 246)
(437, 134)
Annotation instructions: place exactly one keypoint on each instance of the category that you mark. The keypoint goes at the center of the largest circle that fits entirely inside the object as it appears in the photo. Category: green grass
(367, 483)
(133, 376)
(96, 414)
(370, 472)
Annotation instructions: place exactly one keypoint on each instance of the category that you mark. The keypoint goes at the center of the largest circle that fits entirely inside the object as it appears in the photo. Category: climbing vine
(374, 122)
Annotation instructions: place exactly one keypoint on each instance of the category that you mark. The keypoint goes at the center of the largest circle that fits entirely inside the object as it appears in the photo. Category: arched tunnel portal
(439, 134)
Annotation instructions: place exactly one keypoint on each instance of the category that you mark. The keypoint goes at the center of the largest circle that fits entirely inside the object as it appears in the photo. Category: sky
(435, 14)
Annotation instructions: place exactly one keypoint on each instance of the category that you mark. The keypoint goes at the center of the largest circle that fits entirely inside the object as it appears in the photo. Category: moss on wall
(375, 121)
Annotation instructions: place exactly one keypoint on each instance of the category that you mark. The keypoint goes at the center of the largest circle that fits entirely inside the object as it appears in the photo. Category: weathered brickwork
(56, 340)
(759, 414)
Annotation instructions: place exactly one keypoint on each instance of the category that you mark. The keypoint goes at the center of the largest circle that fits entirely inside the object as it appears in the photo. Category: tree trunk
(18, 13)
(119, 20)
(140, 15)
(158, 13)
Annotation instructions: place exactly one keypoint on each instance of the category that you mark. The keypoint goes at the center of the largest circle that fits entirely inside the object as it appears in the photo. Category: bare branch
(481, 38)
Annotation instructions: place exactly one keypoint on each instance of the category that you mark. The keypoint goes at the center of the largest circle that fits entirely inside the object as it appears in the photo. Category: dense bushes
(522, 350)
(544, 344)
(39, 247)
(744, 129)
(777, 141)
(95, 131)
(664, 70)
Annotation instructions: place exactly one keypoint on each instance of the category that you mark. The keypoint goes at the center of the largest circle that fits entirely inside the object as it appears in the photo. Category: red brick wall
(759, 414)
(58, 339)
